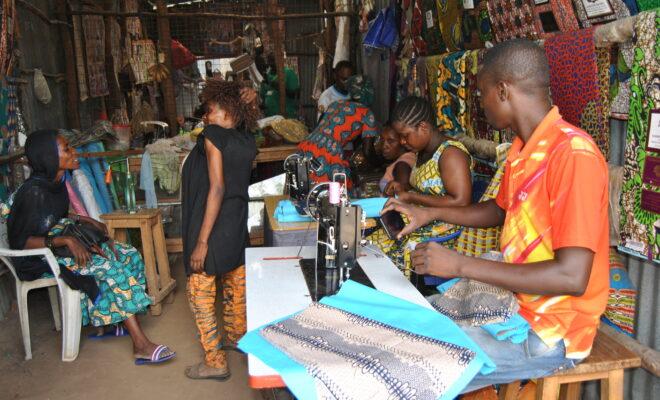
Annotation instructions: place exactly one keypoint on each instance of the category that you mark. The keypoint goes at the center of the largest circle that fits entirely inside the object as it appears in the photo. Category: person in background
(271, 94)
(111, 276)
(339, 91)
(553, 205)
(397, 174)
(208, 67)
(441, 176)
(215, 181)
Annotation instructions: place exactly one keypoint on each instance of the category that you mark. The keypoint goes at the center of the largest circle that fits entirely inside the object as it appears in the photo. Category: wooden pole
(165, 47)
(73, 114)
(278, 44)
(219, 15)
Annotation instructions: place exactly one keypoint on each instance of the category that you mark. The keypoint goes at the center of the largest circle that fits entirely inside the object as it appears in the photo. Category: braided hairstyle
(228, 97)
(412, 111)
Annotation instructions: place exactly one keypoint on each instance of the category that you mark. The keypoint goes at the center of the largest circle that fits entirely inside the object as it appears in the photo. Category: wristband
(49, 242)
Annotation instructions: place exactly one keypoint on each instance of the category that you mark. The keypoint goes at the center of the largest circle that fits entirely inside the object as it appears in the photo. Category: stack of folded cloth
(472, 303)
(286, 211)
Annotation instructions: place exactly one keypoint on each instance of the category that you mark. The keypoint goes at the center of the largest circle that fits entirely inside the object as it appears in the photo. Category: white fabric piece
(41, 89)
(82, 185)
(329, 96)
(343, 38)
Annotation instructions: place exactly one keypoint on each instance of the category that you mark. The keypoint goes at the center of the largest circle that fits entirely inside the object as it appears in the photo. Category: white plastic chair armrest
(25, 253)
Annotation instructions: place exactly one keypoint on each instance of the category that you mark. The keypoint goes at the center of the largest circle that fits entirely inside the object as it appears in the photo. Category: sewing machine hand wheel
(314, 197)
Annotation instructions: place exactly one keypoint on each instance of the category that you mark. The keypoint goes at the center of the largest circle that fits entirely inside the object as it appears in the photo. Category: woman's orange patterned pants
(201, 296)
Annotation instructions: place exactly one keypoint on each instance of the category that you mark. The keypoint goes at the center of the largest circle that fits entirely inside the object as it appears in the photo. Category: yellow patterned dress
(425, 179)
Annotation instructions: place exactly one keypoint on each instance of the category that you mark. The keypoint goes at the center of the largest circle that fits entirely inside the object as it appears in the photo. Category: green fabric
(645, 5)
(271, 94)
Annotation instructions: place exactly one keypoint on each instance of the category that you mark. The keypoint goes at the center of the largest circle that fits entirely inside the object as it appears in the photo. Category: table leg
(120, 235)
(547, 388)
(161, 253)
(570, 391)
(611, 388)
(150, 265)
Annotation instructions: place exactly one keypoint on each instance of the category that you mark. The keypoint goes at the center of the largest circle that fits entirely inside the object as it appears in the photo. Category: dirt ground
(104, 369)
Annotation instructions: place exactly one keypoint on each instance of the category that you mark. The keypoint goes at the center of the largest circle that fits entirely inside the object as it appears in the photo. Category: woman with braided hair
(216, 176)
(441, 177)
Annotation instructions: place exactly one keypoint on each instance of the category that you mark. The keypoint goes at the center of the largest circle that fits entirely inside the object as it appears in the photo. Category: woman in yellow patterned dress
(441, 177)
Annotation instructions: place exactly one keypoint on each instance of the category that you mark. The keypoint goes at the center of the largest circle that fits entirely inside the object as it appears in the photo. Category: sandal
(192, 372)
(160, 354)
(117, 332)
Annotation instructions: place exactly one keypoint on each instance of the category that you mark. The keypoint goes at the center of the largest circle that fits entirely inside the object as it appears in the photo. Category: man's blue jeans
(528, 360)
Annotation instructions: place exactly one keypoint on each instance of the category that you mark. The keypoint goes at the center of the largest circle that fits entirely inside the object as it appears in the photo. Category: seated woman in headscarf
(343, 122)
(111, 276)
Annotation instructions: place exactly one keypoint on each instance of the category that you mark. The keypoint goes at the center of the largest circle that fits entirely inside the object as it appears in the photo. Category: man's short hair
(520, 62)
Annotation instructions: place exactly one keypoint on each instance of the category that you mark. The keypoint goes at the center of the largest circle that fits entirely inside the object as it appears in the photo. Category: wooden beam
(330, 15)
(165, 47)
(278, 44)
(72, 112)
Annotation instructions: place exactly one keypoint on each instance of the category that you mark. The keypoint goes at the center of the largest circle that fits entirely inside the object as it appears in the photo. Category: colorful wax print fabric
(432, 68)
(620, 82)
(431, 28)
(450, 15)
(620, 311)
(365, 344)
(451, 93)
(512, 19)
(573, 64)
(619, 10)
(645, 5)
(561, 12)
(638, 226)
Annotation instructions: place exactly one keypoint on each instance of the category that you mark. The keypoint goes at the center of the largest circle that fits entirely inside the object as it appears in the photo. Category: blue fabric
(370, 303)
(147, 181)
(431, 280)
(86, 169)
(286, 211)
(99, 174)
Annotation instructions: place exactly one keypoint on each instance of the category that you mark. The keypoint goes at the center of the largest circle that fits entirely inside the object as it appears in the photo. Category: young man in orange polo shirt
(552, 204)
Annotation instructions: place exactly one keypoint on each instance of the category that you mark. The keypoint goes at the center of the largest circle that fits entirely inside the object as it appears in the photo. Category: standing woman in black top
(216, 177)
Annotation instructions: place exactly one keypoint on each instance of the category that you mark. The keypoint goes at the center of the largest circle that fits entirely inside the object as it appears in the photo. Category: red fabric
(181, 56)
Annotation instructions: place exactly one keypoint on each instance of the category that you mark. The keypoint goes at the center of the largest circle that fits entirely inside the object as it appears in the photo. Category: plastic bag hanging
(41, 89)
(383, 33)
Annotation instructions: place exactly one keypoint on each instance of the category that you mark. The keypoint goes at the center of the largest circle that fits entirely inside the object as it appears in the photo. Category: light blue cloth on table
(147, 181)
(515, 329)
(286, 211)
(91, 168)
(370, 303)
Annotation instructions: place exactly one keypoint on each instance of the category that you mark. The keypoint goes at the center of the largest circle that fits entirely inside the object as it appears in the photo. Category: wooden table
(277, 288)
(278, 234)
(154, 250)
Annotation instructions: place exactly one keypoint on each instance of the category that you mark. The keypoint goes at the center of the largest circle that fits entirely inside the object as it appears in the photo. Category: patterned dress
(342, 122)
(425, 179)
(121, 283)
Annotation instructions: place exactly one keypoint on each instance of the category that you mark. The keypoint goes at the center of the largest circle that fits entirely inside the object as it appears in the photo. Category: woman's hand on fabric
(97, 224)
(393, 188)
(417, 216)
(430, 258)
(80, 253)
(198, 257)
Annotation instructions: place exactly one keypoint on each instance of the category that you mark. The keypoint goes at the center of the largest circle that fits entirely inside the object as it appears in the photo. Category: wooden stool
(606, 363)
(154, 250)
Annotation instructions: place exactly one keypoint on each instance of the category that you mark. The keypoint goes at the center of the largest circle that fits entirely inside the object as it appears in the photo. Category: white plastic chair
(69, 298)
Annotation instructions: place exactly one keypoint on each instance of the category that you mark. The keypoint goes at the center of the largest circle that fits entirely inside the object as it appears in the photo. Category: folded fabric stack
(286, 211)
(371, 345)
(474, 303)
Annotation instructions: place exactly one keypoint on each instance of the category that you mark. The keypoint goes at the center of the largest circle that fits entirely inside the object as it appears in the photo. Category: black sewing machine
(339, 236)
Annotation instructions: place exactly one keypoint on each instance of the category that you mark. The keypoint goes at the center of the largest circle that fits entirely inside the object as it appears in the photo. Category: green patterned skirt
(121, 283)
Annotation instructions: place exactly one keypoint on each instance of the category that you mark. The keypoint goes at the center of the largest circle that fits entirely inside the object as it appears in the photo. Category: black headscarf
(40, 202)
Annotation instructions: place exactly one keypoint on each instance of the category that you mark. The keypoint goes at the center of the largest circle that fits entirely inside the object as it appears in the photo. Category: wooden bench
(606, 363)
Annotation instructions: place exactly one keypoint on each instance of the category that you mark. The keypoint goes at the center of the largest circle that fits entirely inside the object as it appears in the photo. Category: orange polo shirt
(554, 192)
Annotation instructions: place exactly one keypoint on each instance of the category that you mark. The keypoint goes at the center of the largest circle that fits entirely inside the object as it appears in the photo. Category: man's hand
(198, 257)
(417, 216)
(430, 258)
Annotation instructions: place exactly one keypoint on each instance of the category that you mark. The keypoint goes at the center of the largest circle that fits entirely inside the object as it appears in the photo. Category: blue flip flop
(157, 356)
(119, 331)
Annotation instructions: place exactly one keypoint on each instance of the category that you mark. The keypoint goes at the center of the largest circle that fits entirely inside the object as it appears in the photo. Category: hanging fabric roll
(80, 57)
(94, 33)
(431, 33)
(512, 19)
(82, 185)
(451, 93)
(639, 196)
(75, 201)
(450, 17)
(573, 64)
